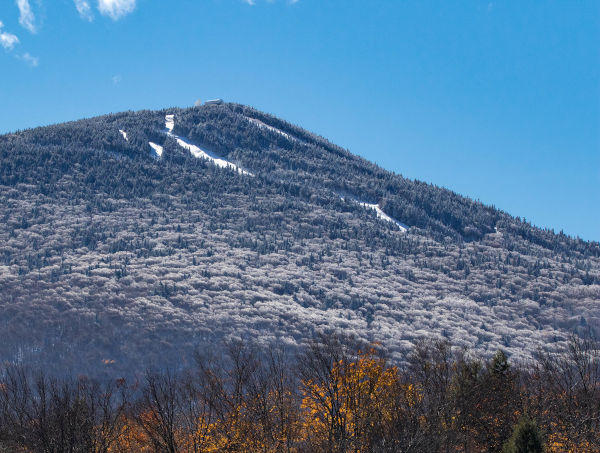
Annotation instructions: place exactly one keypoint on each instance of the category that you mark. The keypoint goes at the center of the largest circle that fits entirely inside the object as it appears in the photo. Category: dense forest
(334, 395)
(114, 257)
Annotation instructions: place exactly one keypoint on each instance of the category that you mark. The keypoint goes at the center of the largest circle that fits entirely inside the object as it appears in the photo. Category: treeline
(333, 396)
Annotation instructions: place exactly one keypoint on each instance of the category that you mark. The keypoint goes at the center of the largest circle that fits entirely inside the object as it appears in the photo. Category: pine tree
(499, 365)
(526, 438)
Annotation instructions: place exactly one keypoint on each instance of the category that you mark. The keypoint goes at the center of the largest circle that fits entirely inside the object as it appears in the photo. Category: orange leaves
(342, 409)
(560, 442)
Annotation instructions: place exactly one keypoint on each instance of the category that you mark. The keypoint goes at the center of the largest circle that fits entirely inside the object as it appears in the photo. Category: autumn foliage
(334, 396)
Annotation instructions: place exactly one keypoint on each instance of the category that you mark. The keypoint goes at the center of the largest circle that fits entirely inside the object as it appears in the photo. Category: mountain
(130, 240)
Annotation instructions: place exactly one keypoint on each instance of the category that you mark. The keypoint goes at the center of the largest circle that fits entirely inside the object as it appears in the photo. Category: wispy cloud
(30, 59)
(84, 9)
(115, 9)
(7, 40)
(116, 79)
(26, 17)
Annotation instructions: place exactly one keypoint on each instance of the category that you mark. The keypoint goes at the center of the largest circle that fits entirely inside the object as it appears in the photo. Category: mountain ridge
(323, 140)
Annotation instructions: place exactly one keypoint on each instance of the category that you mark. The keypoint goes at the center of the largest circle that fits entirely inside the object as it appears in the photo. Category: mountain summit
(133, 239)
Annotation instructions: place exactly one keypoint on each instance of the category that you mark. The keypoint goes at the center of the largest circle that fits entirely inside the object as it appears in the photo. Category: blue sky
(496, 100)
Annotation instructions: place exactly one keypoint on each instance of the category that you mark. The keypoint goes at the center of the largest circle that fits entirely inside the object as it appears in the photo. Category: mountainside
(133, 239)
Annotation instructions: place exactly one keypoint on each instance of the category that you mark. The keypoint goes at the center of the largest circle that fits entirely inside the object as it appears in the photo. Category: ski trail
(169, 123)
(196, 151)
(262, 125)
(157, 150)
(380, 213)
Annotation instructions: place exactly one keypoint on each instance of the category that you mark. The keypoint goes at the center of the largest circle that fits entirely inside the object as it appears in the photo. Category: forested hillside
(116, 254)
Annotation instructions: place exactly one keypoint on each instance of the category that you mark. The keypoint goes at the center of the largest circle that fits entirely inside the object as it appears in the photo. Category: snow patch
(124, 134)
(196, 151)
(380, 214)
(262, 125)
(201, 154)
(169, 123)
(157, 150)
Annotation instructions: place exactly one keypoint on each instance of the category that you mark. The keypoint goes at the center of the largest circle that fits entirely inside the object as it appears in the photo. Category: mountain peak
(141, 236)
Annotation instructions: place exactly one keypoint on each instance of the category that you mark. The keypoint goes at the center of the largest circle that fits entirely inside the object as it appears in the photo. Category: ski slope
(169, 123)
(380, 213)
(157, 150)
(383, 216)
(262, 125)
(196, 151)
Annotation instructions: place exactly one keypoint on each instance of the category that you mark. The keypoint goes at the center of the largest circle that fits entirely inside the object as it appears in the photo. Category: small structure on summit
(214, 102)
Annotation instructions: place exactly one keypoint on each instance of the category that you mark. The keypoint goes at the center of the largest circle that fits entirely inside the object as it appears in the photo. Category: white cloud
(116, 79)
(7, 40)
(116, 9)
(30, 59)
(84, 9)
(26, 17)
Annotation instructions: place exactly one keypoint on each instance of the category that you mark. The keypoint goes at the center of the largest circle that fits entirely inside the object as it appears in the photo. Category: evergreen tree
(526, 438)
(499, 366)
